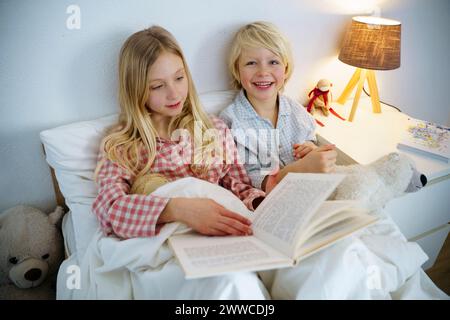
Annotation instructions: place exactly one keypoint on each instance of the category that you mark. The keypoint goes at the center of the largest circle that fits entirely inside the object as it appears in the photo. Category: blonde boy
(268, 126)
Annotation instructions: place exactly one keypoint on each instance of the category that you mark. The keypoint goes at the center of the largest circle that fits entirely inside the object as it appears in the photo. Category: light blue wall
(420, 87)
(50, 75)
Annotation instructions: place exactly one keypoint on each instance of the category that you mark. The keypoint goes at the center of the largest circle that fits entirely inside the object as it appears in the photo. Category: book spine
(423, 152)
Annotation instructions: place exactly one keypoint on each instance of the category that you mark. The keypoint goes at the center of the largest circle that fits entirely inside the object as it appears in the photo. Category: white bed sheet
(338, 272)
(144, 268)
(68, 234)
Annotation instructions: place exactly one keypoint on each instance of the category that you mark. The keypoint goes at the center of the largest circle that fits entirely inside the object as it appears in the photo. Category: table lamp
(371, 43)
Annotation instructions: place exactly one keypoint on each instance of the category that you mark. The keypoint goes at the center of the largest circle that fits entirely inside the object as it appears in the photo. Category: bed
(381, 262)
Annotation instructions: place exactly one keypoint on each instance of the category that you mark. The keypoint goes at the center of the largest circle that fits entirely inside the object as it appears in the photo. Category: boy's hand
(320, 160)
(302, 149)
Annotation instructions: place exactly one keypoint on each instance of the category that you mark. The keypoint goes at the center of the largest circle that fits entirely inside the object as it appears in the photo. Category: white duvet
(375, 263)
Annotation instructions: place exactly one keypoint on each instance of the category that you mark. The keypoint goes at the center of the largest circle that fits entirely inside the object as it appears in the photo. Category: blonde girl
(157, 97)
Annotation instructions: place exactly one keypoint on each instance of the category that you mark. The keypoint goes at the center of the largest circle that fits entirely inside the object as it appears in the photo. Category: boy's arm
(307, 121)
(321, 160)
(236, 178)
(302, 149)
(248, 158)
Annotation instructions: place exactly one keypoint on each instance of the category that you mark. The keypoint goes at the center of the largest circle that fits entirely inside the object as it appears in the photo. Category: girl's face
(168, 87)
(262, 74)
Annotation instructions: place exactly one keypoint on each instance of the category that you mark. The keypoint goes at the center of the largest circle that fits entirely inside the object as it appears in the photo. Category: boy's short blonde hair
(259, 34)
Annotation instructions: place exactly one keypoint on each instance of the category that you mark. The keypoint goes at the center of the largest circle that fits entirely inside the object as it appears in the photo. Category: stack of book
(427, 138)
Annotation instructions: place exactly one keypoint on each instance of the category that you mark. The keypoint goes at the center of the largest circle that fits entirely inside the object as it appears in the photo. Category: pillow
(214, 102)
(71, 150)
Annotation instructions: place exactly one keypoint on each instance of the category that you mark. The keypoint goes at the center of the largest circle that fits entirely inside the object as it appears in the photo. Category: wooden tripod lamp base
(358, 78)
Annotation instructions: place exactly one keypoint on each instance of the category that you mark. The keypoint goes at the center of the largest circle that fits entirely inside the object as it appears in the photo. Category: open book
(293, 222)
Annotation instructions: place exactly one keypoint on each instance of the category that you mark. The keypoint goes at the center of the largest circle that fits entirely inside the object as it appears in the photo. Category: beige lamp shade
(372, 43)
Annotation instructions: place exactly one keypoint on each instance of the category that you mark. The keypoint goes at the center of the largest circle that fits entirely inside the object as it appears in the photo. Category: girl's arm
(131, 215)
(126, 215)
(205, 216)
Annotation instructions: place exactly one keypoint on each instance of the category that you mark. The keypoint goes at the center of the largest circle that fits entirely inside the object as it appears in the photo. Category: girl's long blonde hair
(135, 128)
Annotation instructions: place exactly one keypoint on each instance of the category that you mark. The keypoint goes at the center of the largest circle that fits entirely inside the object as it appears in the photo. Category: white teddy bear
(379, 182)
(373, 185)
(30, 253)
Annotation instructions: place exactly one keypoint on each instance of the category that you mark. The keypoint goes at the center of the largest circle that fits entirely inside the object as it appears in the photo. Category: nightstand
(423, 216)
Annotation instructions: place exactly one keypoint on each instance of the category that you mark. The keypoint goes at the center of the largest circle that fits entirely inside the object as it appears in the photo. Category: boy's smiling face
(262, 74)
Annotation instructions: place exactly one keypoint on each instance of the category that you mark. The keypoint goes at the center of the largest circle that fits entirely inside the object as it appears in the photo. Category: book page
(334, 232)
(329, 213)
(333, 220)
(280, 218)
(202, 256)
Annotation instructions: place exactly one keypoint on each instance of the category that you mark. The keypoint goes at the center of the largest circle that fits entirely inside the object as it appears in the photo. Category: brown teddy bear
(321, 97)
(148, 183)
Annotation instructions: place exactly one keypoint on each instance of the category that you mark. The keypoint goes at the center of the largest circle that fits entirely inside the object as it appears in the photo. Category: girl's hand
(302, 149)
(319, 160)
(208, 217)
